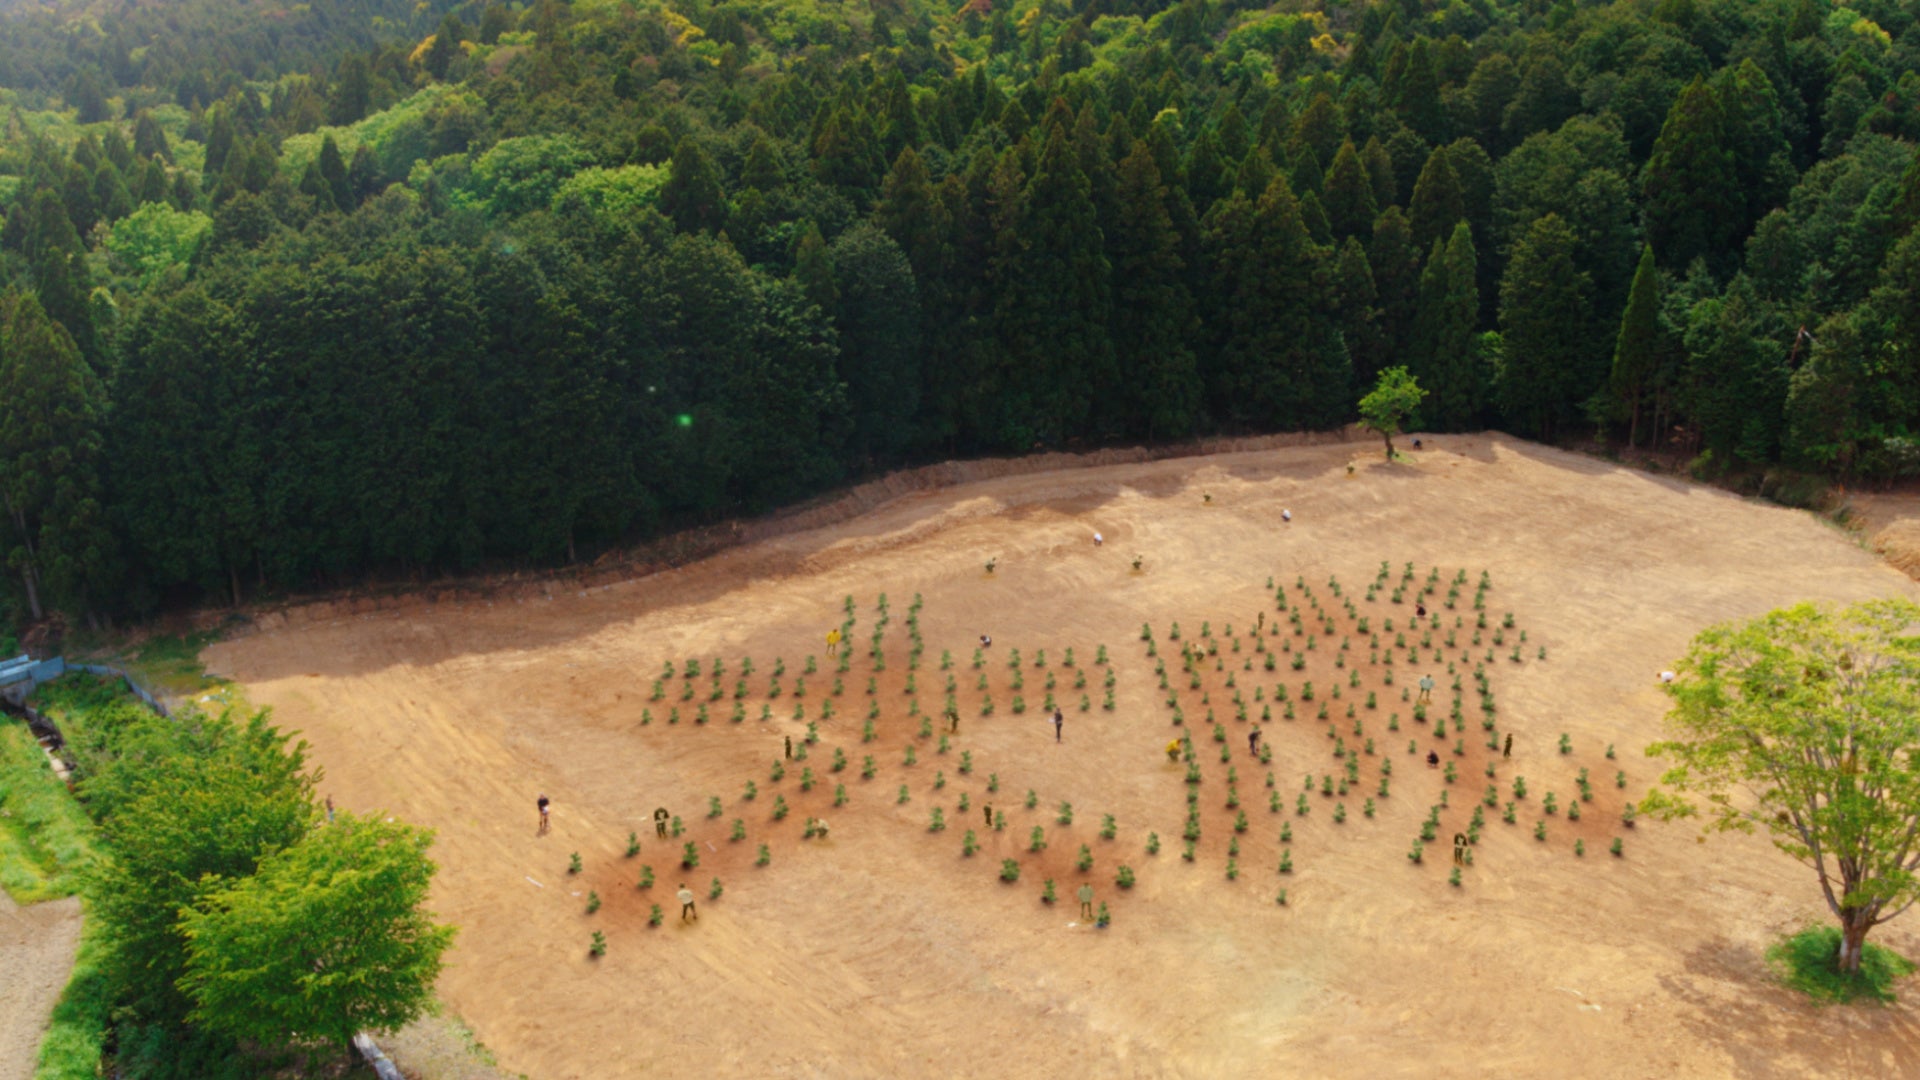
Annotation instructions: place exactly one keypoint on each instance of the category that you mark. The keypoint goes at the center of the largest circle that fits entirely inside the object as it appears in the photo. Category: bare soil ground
(37, 946)
(883, 951)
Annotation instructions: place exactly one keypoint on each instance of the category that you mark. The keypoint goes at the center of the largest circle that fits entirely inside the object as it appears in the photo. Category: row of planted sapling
(888, 740)
(1298, 643)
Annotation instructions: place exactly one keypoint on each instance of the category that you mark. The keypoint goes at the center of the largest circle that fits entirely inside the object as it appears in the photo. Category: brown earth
(37, 946)
(883, 951)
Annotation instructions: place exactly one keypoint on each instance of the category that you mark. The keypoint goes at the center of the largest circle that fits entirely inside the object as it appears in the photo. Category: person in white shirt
(686, 903)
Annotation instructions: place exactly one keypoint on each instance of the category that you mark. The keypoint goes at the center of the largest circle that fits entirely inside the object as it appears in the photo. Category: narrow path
(37, 948)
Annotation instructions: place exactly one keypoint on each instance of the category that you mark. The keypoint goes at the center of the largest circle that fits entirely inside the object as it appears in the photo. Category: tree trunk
(33, 591)
(1633, 422)
(233, 580)
(1389, 439)
(1853, 939)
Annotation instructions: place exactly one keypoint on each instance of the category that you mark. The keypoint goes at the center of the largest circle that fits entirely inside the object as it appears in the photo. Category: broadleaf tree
(1392, 400)
(325, 939)
(1804, 724)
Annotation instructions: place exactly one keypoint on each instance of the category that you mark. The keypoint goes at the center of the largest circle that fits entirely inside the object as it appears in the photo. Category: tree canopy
(325, 939)
(442, 287)
(1395, 397)
(1804, 724)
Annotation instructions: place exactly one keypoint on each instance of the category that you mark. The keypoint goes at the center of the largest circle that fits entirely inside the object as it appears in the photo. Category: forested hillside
(304, 294)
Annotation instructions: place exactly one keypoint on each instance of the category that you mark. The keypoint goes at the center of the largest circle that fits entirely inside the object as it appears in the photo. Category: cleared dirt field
(883, 951)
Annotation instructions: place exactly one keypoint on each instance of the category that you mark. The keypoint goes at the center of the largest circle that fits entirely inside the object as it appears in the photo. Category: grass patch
(1805, 962)
(45, 838)
(171, 665)
(72, 1045)
(89, 709)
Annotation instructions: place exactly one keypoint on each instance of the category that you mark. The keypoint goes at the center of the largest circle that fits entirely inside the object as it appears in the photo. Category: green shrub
(1009, 870)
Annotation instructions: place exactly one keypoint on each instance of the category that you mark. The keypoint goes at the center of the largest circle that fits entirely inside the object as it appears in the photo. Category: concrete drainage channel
(21, 675)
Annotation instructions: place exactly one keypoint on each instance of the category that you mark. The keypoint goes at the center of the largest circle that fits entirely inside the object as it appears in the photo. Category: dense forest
(298, 295)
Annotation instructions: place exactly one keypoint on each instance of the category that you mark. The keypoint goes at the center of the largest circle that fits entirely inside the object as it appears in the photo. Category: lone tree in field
(1391, 401)
(1805, 722)
(327, 938)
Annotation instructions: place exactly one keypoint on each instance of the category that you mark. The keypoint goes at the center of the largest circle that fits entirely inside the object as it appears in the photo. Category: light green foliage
(612, 193)
(327, 938)
(1392, 401)
(156, 237)
(1813, 716)
(525, 173)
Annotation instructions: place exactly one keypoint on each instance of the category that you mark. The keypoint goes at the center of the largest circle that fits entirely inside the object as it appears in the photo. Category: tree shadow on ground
(1727, 995)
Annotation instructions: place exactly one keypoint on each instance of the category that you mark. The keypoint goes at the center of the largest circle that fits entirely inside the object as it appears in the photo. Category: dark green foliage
(528, 351)
(1549, 350)
(1448, 364)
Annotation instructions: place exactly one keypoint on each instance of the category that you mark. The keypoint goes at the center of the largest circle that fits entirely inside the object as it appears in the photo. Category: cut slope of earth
(884, 951)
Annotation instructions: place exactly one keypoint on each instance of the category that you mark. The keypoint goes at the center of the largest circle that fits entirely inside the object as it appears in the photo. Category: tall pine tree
(1543, 298)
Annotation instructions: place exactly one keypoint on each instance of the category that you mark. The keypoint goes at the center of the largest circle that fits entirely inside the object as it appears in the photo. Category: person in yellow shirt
(833, 640)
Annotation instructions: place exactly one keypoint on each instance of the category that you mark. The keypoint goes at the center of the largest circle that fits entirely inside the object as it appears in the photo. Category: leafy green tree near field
(325, 939)
(182, 803)
(1392, 402)
(1804, 724)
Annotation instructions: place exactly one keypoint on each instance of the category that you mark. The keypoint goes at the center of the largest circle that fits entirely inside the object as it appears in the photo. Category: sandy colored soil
(884, 952)
(37, 946)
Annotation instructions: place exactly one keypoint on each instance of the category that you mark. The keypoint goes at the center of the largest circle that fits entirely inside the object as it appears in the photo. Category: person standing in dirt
(953, 721)
(1433, 760)
(1086, 900)
(1059, 720)
(542, 802)
(1507, 751)
(685, 896)
(789, 748)
(330, 810)
(1173, 750)
(1253, 741)
(1459, 849)
(1426, 689)
(986, 813)
(833, 641)
(660, 817)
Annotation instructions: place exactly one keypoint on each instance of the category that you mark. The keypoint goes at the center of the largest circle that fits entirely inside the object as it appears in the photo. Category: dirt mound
(1899, 543)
